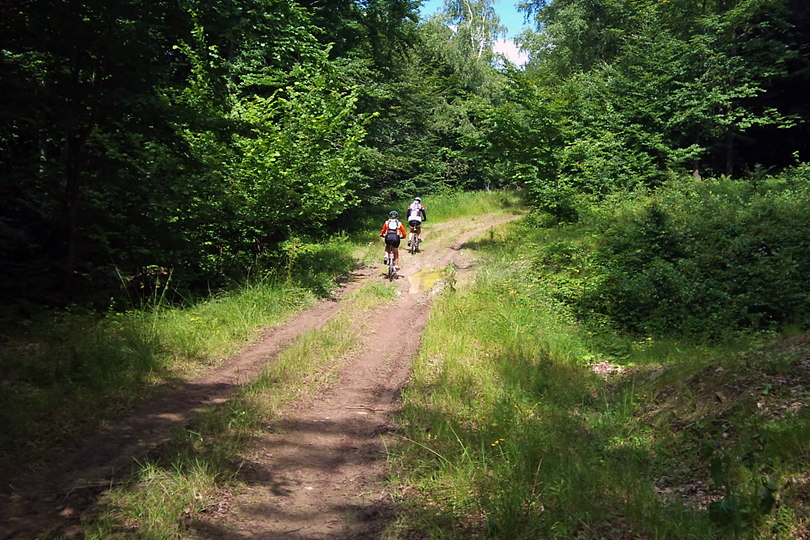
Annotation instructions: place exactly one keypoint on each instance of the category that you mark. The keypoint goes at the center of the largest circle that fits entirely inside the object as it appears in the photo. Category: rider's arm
(384, 229)
(424, 214)
(402, 231)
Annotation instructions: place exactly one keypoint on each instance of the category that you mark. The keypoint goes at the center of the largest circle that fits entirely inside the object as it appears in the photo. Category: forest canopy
(141, 137)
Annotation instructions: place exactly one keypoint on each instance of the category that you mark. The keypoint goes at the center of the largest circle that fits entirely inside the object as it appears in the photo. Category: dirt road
(320, 472)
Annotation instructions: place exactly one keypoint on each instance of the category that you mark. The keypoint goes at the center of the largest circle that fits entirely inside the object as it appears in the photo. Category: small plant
(738, 509)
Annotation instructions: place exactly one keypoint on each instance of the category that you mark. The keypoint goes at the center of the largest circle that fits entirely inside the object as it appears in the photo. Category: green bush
(703, 257)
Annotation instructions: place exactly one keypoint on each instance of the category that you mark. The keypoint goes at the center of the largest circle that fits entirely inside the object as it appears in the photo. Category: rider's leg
(396, 257)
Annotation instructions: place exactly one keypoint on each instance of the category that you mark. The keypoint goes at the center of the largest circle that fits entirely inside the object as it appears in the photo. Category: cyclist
(393, 231)
(416, 215)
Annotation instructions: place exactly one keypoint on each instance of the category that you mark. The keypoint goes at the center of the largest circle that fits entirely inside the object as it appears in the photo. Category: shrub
(705, 256)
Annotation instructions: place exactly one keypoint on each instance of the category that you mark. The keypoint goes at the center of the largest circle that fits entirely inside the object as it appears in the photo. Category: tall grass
(510, 433)
(80, 363)
(454, 205)
(68, 373)
(510, 436)
(169, 489)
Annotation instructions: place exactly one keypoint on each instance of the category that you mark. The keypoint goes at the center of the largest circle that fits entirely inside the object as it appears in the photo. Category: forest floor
(319, 470)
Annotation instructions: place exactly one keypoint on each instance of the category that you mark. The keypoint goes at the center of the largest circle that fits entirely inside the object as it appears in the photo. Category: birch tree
(476, 23)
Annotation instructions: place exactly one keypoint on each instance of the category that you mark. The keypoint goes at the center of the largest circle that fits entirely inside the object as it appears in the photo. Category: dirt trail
(319, 473)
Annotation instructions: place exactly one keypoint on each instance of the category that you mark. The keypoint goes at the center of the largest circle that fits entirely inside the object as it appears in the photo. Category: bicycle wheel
(414, 243)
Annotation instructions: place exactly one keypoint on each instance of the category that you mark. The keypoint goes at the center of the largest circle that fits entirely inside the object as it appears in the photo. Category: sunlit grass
(62, 373)
(524, 421)
(184, 478)
(155, 509)
(471, 203)
(509, 434)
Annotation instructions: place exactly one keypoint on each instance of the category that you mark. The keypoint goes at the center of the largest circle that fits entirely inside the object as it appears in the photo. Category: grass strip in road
(183, 477)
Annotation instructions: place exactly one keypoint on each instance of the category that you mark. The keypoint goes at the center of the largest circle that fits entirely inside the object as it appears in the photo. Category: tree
(74, 70)
(477, 26)
(664, 86)
(128, 127)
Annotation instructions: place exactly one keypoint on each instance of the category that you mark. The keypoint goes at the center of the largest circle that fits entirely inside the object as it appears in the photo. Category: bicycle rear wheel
(390, 274)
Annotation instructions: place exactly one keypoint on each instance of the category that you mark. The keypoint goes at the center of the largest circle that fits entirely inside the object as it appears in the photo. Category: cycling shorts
(392, 239)
(414, 223)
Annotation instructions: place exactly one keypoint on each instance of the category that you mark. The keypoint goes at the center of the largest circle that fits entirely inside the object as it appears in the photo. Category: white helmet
(417, 199)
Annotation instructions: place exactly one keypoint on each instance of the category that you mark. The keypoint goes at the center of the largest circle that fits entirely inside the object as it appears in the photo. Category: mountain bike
(413, 242)
(389, 262)
(413, 236)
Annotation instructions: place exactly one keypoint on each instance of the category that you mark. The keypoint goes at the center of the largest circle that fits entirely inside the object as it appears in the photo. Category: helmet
(417, 199)
(393, 213)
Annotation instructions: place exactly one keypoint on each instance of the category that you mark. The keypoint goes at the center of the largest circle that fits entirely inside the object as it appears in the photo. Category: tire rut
(317, 475)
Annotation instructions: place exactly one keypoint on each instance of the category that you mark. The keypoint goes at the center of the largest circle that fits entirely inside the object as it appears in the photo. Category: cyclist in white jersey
(416, 215)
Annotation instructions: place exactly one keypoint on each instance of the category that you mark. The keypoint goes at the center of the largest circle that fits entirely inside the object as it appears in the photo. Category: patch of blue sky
(510, 17)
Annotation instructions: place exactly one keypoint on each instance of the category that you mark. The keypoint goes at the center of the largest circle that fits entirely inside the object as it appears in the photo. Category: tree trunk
(730, 152)
(73, 171)
(82, 108)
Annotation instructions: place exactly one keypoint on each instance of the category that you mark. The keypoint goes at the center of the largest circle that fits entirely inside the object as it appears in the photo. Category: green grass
(509, 433)
(75, 363)
(74, 371)
(183, 478)
(454, 205)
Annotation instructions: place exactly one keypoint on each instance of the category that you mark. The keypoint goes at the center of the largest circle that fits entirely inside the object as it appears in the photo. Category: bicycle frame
(413, 239)
(389, 250)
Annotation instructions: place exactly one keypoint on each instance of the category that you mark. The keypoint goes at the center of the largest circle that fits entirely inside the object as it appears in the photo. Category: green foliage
(704, 257)
(477, 26)
(648, 90)
(518, 135)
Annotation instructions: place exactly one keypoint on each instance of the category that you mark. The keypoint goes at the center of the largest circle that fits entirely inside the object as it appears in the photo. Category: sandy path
(319, 474)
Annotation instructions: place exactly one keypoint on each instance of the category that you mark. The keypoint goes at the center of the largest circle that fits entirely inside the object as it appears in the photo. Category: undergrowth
(524, 420)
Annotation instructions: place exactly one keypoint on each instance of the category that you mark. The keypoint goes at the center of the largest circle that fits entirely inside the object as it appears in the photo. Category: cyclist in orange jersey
(393, 231)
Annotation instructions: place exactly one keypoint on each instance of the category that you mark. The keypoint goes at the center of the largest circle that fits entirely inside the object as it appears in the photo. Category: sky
(509, 17)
